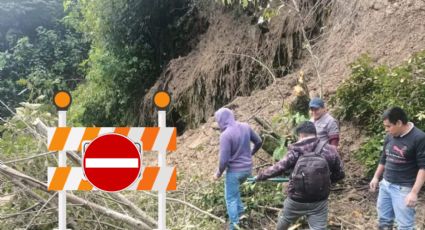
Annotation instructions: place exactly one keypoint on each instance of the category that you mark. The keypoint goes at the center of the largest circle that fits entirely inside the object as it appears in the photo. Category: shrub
(370, 152)
(370, 90)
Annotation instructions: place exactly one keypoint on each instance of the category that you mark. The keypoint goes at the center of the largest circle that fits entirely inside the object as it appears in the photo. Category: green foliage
(212, 198)
(280, 151)
(262, 194)
(21, 18)
(269, 13)
(43, 57)
(132, 41)
(17, 139)
(262, 8)
(284, 124)
(371, 89)
(370, 152)
(254, 196)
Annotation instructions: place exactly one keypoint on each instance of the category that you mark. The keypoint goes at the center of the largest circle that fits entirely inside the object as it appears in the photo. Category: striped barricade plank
(71, 138)
(72, 178)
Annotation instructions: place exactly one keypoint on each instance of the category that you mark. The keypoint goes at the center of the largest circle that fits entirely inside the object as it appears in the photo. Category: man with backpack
(315, 165)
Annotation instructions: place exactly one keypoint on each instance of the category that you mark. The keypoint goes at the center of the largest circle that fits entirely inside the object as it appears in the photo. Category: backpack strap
(319, 147)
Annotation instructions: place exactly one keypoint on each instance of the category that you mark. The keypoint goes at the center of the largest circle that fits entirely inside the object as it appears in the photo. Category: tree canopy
(39, 53)
(131, 42)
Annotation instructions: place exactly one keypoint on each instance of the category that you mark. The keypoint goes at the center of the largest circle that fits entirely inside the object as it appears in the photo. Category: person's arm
(256, 140)
(375, 180)
(333, 133)
(225, 148)
(412, 197)
(334, 140)
(380, 169)
(286, 163)
(337, 166)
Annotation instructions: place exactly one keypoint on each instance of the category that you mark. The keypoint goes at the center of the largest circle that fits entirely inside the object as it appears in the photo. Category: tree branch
(192, 206)
(38, 212)
(27, 158)
(316, 60)
(264, 66)
(12, 173)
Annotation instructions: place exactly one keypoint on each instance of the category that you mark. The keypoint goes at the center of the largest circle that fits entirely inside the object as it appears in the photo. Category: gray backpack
(311, 176)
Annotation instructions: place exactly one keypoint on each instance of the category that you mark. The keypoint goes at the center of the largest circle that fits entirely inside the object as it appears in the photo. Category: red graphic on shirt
(398, 150)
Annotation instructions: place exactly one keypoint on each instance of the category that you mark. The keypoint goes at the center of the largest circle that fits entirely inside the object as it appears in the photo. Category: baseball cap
(316, 103)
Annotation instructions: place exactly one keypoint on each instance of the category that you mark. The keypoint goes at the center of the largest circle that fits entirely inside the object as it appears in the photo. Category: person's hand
(411, 199)
(373, 184)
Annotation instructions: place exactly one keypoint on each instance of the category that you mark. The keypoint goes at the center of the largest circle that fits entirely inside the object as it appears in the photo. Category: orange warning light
(62, 100)
(161, 99)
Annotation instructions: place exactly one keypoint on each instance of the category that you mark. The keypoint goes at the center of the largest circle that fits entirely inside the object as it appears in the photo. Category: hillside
(389, 31)
(247, 55)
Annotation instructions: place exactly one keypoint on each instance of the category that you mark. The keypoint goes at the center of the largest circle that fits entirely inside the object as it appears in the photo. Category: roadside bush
(370, 90)
(370, 152)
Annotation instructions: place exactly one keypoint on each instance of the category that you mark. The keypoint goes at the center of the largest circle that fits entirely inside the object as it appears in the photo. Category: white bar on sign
(112, 163)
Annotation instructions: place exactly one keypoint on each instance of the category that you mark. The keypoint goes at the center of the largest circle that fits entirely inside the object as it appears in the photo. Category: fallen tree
(24, 181)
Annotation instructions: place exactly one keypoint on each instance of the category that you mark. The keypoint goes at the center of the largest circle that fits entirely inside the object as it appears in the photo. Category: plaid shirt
(329, 152)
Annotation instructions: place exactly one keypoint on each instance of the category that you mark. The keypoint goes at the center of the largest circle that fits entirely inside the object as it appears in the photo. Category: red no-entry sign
(111, 162)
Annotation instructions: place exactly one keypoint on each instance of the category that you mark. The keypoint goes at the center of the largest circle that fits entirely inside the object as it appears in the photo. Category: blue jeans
(391, 205)
(232, 195)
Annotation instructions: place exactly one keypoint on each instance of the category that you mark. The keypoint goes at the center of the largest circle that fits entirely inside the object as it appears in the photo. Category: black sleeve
(383, 155)
(337, 170)
(336, 165)
(420, 153)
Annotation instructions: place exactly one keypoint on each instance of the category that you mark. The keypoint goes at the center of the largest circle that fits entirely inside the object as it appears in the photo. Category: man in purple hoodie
(236, 158)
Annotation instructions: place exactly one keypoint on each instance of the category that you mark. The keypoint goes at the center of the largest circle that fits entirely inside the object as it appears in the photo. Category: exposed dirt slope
(390, 31)
(222, 67)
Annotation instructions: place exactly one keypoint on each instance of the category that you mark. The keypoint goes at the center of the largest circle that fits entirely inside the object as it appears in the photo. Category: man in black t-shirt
(403, 165)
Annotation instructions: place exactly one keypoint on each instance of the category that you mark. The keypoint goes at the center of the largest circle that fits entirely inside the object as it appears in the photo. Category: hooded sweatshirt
(235, 138)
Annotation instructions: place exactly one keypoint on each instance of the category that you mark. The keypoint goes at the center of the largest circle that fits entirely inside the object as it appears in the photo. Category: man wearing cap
(326, 125)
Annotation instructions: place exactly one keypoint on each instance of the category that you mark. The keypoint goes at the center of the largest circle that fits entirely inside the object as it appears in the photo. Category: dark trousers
(316, 212)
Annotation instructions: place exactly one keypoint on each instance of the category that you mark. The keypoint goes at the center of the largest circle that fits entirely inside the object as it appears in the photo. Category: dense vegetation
(371, 89)
(39, 53)
(113, 51)
(131, 42)
(108, 54)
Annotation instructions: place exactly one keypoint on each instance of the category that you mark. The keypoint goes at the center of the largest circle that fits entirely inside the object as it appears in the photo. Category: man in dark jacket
(297, 205)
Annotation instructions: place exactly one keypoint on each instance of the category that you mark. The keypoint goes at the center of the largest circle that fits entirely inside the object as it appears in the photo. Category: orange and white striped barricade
(152, 179)
(73, 138)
